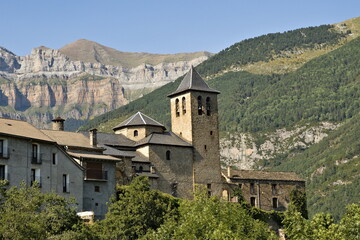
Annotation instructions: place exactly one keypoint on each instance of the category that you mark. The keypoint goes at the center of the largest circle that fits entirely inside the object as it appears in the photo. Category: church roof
(138, 119)
(193, 81)
(166, 138)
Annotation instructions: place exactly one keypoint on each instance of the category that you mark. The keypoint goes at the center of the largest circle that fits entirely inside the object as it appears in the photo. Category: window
(208, 106)
(1, 147)
(274, 189)
(183, 105)
(209, 189)
(168, 155)
(35, 177)
(275, 203)
(35, 155)
(4, 151)
(253, 201)
(252, 188)
(97, 188)
(54, 159)
(205, 147)
(3, 172)
(136, 133)
(177, 107)
(199, 105)
(211, 132)
(66, 183)
(141, 169)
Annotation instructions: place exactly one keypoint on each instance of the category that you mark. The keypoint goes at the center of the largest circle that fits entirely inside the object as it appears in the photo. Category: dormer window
(136, 133)
(208, 106)
(199, 105)
(177, 110)
(183, 105)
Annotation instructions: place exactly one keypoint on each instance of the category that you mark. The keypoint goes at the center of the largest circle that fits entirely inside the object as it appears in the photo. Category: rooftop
(138, 119)
(166, 138)
(263, 175)
(22, 129)
(193, 81)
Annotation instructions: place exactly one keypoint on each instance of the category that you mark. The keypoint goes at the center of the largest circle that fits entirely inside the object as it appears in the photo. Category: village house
(88, 165)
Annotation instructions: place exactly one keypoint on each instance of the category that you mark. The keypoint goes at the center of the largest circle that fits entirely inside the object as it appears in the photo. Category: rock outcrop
(46, 83)
(245, 151)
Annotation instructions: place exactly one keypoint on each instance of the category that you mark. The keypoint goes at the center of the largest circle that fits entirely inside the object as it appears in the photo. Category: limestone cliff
(46, 83)
(247, 151)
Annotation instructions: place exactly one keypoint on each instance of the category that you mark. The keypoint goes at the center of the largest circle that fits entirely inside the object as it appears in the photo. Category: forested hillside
(325, 88)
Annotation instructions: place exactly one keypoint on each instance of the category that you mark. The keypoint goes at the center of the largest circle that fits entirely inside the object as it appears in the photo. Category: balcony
(96, 175)
(37, 160)
(5, 154)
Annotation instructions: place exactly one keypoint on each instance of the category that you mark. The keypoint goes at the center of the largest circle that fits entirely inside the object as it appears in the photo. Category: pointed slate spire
(138, 119)
(193, 81)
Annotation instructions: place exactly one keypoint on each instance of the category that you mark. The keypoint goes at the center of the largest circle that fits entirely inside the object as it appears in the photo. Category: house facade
(27, 155)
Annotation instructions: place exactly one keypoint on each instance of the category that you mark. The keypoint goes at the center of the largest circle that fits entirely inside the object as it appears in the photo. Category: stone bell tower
(194, 117)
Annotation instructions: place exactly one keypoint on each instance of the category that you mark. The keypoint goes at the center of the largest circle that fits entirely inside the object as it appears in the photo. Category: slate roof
(264, 175)
(166, 138)
(22, 129)
(112, 139)
(116, 152)
(138, 119)
(193, 81)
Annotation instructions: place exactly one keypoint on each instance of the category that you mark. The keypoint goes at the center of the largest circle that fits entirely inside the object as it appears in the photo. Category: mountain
(281, 94)
(89, 51)
(92, 80)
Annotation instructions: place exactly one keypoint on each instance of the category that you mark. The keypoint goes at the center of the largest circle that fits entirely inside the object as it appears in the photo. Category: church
(188, 155)
(88, 165)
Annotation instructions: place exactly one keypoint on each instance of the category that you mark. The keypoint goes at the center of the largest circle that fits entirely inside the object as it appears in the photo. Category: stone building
(91, 163)
(28, 155)
(262, 189)
(66, 163)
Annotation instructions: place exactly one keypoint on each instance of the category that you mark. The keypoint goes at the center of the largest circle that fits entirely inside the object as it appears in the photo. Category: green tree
(350, 222)
(26, 213)
(211, 218)
(136, 210)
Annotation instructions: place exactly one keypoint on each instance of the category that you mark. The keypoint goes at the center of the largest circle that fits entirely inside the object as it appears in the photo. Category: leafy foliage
(322, 226)
(211, 218)
(137, 210)
(26, 213)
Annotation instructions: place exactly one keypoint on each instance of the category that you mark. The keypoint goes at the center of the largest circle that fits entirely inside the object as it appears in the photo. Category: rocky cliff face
(47, 83)
(246, 151)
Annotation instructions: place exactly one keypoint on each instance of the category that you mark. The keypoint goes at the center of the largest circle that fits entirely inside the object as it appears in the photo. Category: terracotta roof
(22, 129)
(166, 138)
(139, 119)
(66, 138)
(93, 156)
(263, 175)
(193, 81)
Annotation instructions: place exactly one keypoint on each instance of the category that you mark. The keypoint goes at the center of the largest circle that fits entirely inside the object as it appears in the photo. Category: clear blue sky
(159, 26)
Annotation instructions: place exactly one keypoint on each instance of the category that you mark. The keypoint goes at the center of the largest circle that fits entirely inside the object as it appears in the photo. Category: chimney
(229, 171)
(58, 124)
(93, 137)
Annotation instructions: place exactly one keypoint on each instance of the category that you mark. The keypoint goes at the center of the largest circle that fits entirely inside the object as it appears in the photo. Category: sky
(159, 26)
